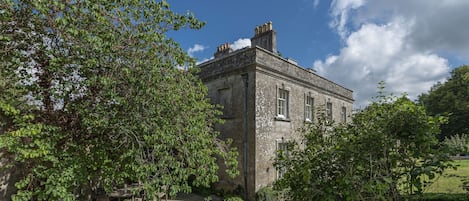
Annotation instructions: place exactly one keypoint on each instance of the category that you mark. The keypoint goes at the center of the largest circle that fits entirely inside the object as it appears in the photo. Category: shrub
(388, 150)
(267, 194)
(458, 143)
(233, 198)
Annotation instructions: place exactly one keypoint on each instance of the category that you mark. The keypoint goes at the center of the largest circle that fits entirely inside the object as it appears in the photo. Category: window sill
(280, 118)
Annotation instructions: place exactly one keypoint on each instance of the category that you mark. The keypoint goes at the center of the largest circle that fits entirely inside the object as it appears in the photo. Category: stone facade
(265, 102)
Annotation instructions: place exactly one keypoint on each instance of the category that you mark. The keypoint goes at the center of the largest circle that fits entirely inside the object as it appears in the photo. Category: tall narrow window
(329, 111)
(282, 148)
(343, 115)
(309, 105)
(282, 101)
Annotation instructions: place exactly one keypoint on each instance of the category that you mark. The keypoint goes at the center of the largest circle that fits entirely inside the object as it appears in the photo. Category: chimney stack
(223, 49)
(265, 37)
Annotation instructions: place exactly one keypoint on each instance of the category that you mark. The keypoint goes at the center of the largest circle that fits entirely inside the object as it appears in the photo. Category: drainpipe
(245, 77)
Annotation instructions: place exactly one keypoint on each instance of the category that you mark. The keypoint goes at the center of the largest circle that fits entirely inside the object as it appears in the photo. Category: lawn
(450, 180)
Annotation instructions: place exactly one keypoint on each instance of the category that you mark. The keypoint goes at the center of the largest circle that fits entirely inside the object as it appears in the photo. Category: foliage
(450, 97)
(92, 99)
(233, 198)
(213, 193)
(459, 143)
(267, 194)
(314, 173)
(391, 144)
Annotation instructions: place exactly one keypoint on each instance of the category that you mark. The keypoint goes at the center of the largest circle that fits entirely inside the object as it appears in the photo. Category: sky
(408, 44)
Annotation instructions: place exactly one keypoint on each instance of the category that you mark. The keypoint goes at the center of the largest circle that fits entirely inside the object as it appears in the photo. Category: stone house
(265, 99)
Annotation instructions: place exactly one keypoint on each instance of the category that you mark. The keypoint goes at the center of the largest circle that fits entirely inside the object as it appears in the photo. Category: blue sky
(410, 45)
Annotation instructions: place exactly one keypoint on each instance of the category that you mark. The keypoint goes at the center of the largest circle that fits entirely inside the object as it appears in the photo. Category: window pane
(282, 147)
(309, 108)
(282, 103)
(344, 114)
(329, 111)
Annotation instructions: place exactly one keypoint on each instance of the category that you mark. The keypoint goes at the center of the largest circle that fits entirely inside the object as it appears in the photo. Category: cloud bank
(236, 45)
(241, 43)
(195, 48)
(400, 42)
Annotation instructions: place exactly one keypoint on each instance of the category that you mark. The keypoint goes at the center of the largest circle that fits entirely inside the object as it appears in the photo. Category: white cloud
(236, 45)
(315, 3)
(437, 25)
(340, 11)
(376, 53)
(241, 43)
(195, 48)
(400, 42)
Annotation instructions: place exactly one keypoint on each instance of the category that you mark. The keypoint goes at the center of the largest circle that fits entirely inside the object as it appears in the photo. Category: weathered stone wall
(233, 119)
(277, 65)
(267, 72)
(223, 78)
(271, 130)
(273, 73)
(234, 63)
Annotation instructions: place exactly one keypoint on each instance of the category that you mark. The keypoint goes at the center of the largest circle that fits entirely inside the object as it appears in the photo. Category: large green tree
(384, 153)
(92, 98)
(450, 97)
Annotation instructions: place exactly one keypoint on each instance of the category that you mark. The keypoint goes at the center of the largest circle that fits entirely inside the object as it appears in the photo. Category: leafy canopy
(387, 151)
(92, 98)
(450, 97)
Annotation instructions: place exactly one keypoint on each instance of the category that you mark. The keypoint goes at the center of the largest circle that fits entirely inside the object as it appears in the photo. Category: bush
(458, 143)
(387, 151)
(267, 194)
(233, 198)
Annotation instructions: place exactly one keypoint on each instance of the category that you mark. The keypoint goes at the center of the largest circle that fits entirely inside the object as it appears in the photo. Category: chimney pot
(222, 50)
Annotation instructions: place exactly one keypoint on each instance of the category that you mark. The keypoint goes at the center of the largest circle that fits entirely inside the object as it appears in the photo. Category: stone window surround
(281, 144)
(286, 113)
(343, 114)
(329, 111)
(309, 107)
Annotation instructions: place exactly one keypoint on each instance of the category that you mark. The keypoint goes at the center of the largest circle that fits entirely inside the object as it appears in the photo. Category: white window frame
(281, 144)
(329, 115)
(309, 106)
(282, 103)
(343, 114)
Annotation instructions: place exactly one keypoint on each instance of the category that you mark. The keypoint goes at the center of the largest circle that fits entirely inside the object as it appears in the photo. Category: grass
(450, 180)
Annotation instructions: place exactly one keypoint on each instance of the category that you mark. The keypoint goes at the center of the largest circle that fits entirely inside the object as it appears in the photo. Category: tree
(92, 99)
(382, 154)
(450, 97)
